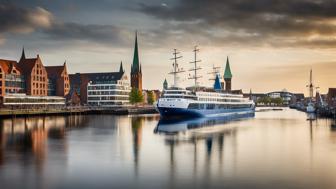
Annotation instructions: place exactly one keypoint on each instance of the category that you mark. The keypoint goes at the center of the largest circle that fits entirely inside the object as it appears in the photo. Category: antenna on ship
(215, 72)
(195, 68)
(176, 69)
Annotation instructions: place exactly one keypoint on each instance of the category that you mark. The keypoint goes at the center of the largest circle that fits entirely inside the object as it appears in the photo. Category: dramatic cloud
(97, 33)
(16, 19)
(21, 20)
(261, 22)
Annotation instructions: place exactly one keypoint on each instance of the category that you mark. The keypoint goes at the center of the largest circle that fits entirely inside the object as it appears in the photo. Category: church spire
(136, 65)
(121, 69)
(217, 84)
(23, 55)
(227, 72)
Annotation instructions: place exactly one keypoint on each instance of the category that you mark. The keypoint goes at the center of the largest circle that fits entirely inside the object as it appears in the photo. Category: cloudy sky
(272, 44)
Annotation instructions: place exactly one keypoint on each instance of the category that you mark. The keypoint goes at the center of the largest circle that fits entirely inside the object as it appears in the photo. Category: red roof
(6, 65)
(27, 64)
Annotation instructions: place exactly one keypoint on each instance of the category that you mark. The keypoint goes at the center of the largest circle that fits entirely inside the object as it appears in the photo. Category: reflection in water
(137, 123)
(273, 150)
(26, 138)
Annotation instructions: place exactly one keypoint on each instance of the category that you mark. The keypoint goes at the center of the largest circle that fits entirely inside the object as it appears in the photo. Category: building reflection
(25, 139)
(137, 124)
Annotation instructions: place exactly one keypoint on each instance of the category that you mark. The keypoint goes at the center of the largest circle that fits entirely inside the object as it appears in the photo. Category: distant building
(284, 94)
(136, 73)
(156, 95)
(101, 89)
(331, 97)
(58, 80)
(228, 76)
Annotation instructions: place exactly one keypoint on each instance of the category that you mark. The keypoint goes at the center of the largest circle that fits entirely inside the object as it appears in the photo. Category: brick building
(29, 76)
(58, 80)
(11, 80)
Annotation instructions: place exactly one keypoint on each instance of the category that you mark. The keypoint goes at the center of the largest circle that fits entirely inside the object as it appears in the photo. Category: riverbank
(129, 110)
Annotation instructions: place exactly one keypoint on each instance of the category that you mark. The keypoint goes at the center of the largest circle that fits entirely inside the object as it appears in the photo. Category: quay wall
(6, 112)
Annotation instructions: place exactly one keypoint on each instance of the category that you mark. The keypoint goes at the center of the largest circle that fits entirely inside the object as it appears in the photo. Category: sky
(271, 44)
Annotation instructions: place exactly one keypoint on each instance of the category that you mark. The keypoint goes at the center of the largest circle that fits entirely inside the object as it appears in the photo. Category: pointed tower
(23, 55)
(121, 69)
(165, 84)
(136, 73)
(227, 76)
(217, 84)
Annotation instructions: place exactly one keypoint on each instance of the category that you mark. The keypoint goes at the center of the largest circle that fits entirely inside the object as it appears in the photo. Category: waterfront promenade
(123, 110)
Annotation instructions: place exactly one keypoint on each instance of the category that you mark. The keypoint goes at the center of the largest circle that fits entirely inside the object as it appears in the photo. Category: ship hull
(167, 112)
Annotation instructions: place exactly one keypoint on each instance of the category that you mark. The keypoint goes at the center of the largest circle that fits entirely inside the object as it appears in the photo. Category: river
(273, 149)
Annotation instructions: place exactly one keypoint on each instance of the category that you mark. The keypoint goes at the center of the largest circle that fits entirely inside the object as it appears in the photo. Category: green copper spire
(136, 65)
(227, 72)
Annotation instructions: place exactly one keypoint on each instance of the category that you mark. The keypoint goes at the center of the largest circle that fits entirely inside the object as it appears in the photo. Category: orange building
(32, 78)
(11, 79)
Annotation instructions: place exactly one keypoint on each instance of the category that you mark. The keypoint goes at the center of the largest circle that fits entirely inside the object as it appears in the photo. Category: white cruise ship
(200, 101)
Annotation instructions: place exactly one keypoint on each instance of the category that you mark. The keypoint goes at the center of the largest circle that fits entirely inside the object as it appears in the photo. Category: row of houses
(28, 82)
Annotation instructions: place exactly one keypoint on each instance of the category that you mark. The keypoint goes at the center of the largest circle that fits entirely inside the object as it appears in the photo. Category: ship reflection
(175, 126)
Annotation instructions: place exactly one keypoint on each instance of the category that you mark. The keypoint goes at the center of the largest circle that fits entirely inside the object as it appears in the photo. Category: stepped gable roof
(7, 65)
(227, 72)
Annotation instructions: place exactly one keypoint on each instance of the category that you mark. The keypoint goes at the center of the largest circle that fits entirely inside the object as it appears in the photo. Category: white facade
(109, 93)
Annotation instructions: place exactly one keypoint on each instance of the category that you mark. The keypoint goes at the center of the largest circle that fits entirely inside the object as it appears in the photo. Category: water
(275, 149)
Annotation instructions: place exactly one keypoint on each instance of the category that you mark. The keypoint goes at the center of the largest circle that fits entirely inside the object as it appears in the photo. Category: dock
(127, 110)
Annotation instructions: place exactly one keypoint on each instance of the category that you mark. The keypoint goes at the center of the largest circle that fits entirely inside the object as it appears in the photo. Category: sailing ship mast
(176, 69)
(215, 72)
(195, 77)
(310, 85)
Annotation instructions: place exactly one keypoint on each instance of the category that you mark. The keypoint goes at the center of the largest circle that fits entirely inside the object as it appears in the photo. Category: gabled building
(136, 73)
(58, 80)
(35, 75)
(11, 79)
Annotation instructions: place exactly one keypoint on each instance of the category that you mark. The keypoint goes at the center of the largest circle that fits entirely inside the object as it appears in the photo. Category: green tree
(150, 97)
(277, 101)
(135, 96)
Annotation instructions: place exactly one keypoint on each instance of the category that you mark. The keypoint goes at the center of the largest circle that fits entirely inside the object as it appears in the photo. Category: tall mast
(195, 68)
(176, 69)
(311, 86)
(215, 72)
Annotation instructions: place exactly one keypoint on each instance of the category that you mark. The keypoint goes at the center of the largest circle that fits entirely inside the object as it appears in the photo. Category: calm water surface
(275, 149)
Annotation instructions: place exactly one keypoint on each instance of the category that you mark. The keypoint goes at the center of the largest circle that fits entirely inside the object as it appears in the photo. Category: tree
(135, 96)
(277, 101)
(150, 97)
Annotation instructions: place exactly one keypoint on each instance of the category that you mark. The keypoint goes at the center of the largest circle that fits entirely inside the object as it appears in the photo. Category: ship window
(193, 106)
